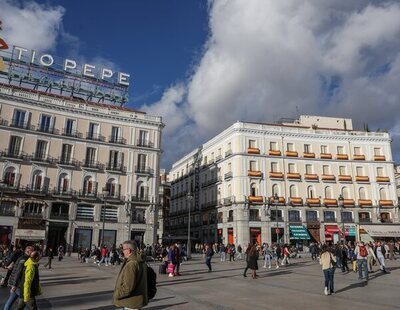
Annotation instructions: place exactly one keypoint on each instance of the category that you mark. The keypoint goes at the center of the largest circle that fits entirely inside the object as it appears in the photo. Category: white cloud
(267, 59)
(31, 25)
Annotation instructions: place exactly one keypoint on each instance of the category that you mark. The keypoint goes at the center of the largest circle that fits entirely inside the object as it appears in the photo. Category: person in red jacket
(286, 253)
(103, 256)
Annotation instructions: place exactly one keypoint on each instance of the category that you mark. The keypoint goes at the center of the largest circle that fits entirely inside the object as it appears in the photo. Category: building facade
(311, 179)
(76, 173)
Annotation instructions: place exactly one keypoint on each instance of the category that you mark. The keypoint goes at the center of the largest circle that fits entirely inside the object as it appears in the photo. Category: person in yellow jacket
(30, 284)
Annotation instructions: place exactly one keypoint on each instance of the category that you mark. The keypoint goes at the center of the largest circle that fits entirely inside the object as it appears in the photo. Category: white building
(313, 178)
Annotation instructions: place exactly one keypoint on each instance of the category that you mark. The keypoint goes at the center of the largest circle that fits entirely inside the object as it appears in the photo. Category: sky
(202, 65)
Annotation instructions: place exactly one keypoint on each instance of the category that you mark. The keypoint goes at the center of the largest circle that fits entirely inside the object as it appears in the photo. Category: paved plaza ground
(72, 285)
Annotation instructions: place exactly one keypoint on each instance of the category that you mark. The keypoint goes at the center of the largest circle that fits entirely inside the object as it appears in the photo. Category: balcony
(293, 176)
(326, 156)
(140, 199)
(359, 157)
(311, 177)
(66, 193)
(280, 201)
(209, 205)
(274, 153)
(114, 197)
(383, 179)
(211, 182)
(228, 201)
(308, 155)
(254, 174)
(72, 133)
(342, 156)
(364, 220)
(144, 170)
(255, 199)
(116, 168)
(93, 165)
(116, 140)
(379, 158)
(330, 202)
(365, 202)
(253, 150)
(138, 221)
(386, 203)
(41, 158)
(218, 158)
(345, 178)
(95, 137)
(32, 190)
(363, 178)
(292, 154)
(6, 212)
(313, 202)
(276, 175)
(23, 125)
(255, 218)
(48, 129)
(59, 216)
(228, 175)
(87, 195)
(32, 215)
(228, 153)
(144, 143)
(71, 162)
(330, 220)
(349, 203)
(12, 154)
(296, 201)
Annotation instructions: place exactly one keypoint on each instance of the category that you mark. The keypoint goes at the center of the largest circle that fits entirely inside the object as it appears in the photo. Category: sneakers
(326, 291)
(269, 267)
(171, 275)
(277, 266)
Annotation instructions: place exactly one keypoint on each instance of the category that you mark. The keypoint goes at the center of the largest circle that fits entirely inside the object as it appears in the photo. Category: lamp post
(103, 213)
(189, 249)
(341, 203)
(274, 201)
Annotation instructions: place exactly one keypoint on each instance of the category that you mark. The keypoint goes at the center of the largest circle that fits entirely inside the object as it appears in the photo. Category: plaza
(72, 285)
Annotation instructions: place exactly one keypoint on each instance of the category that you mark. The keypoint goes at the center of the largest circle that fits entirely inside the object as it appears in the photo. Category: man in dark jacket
(131, 285)
(50, 257)
(30, 283)
(15, 278)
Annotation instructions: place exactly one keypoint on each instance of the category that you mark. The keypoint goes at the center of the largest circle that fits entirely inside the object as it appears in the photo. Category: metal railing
(95, 136)
(144, 170)
(93, 164)
(144, 143)
(117, 140)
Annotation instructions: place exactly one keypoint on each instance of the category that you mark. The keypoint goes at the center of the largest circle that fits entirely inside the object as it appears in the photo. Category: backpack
(151, 282)
(363, 251)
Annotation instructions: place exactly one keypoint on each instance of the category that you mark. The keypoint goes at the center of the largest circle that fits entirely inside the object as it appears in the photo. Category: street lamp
(105, 194)
(274, 201)
(189, 198)
(341, 203)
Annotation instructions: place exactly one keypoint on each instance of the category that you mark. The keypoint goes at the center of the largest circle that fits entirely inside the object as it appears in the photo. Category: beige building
(71, 169)
(310, 179)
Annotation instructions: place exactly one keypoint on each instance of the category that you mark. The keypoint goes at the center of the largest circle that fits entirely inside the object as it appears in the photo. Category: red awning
(333, 229)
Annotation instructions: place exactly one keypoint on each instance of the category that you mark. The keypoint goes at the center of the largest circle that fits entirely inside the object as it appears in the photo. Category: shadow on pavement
(352, 286)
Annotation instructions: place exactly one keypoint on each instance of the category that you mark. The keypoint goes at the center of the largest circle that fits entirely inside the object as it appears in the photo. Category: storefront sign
(392, 231)
(30, 234)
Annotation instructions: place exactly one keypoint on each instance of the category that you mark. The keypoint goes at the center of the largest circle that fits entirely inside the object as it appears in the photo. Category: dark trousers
(208, 262)
(362, 268)
(31, 304)
(329, 283)
(313, 256)
(49, 259)
(231, 256)
(344, 265)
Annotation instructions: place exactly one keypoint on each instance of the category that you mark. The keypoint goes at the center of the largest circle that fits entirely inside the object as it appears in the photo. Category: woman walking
(252, 261)
(328, 262)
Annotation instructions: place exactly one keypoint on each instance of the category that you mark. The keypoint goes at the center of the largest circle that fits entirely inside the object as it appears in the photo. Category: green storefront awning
(299, 232)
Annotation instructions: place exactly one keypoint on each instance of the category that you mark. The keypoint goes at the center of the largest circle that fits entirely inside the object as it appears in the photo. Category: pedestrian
(209, 254)
(60, 251)
(252, 261)
(380, 254)
(286, 254)
(50, 257)
(131, 284)
(103, 253)
(371, 258)
(222, 253)
(178, 260)
(267, 255)
(345, 258)
(232, 252)
(313, 251)
(239, 252)
(15, 278)
(30, 283)
(362, 254)
(278, 251)
(247, 259)
(328, 261)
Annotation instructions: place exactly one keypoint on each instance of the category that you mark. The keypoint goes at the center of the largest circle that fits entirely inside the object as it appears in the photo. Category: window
(90, 156)
(37, 180)
(362, 193)
(112, 187)
(85, 212)
(41, 149)
(309, 169)
(294, 216)
(219, 152)
(340, 150)
(329, 216)
(45, 123)
(89, 186)
(69, 127)
(359, 171)
(324, 149)
(328, 192)
(253, 165)
(307, 148)
(14, 147)
(66, 153)
(293, 191)
(377, 151)
(116, 159)
(290, 147)
(345, 193)
(252, 143)
(382, 194)
(385, 217)
(230, 216)
(142, 161)
(357, 150)
(273, 146)
(10, 177)
(19, 118)
(342, 170)
(229, 167)
(364, 217)
(325, 170)
(63, 182)
(253, 190)
(93, 130)
(347, 217)
(274, 167)
(312, 216)
(276, 215)
(275, 190)
(379, 172)
(115, 133)
(229, 190)
(310, 192)
(143, 138)
(291, 168)
(229, 147)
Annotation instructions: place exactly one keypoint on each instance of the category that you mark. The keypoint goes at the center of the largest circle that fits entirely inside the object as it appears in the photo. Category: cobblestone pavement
(72, 285)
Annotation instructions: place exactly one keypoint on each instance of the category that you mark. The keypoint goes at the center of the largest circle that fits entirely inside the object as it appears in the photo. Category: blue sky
(202, 65)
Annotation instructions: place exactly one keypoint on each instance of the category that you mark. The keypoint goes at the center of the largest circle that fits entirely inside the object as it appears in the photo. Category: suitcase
(162, 269)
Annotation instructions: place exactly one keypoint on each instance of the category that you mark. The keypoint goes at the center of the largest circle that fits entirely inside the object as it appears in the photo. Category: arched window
(382, 194)
(345, 192)
(141, 190)
(275, 189)
(37, 180)
(328, 192)
(385, 217)
(230, 216)
(253, 189)
(310, 192)
(10, 176)
(362, 193)
(229, 190)
(89, 185)
(111, 187)
(293, 191)
(63, 182)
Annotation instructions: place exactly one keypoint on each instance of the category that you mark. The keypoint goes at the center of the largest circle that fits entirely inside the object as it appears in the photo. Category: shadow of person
(352, 286)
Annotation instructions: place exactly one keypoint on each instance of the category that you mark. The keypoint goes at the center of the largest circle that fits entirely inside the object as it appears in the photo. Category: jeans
(339, 261)
(382, 262)
(285, 260)
(362, 264)
(267, 259)
(208, 262)
(12, 299)
(103, 260)
(329, 283)
(222, 256)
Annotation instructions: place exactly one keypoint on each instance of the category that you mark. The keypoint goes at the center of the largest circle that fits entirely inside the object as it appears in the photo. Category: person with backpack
(362, 253)
(131, 287)
(380, 254)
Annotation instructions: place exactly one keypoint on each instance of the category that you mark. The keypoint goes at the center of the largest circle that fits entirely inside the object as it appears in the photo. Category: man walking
(50, 257)
(131, 285)
(222, 252)
(362, 253)
(380, 254)
(209, 254)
